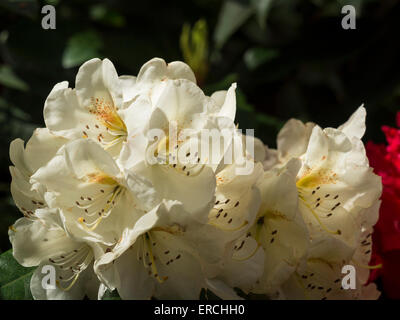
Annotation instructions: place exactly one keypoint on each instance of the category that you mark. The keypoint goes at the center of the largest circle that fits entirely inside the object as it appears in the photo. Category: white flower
(224, 103)
(141, 97)
(335, 182)
(320, 277)
(143, 184)
(42, 242)
(362, 254)
(92, 109)
(40, 148)
(293, 139)
(175, 122)
(91, 192)
(89, 180)
(40, 239)
(337, 198)
(319, 274)
(237, 201)
(279, 228)
(162, 256)
(170, 150)
(153, 77)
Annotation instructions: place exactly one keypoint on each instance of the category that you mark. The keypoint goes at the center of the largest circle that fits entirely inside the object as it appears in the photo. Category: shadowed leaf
(14, 278)
(81, 47)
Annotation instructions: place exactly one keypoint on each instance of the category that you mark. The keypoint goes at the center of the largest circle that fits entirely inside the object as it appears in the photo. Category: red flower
(386, 237)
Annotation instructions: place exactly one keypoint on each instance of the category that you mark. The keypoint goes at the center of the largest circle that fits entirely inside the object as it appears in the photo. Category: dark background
(290, 58)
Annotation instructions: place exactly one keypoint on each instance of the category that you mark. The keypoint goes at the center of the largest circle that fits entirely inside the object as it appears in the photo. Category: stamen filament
(70, 285)
(378, 266)
(105, 212)
(318, 219)
(153, 264)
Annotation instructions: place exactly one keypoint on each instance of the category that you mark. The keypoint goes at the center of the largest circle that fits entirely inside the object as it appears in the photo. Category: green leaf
(194, 46)
(81, 47)
(268, 120)
(232, 16)
(108, 295)
(14, 278)
(107, 16)
(254, 57)
(262, 8)
(52, 2)
(9, 79)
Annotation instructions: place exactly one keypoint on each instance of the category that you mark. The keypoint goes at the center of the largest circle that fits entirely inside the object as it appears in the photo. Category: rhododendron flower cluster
(385, 159)
(146, 186)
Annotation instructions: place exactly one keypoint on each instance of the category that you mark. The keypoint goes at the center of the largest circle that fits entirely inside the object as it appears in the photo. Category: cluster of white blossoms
(106, 217)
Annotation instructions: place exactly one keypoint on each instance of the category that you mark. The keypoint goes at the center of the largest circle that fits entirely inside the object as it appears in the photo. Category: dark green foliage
(14, 279)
